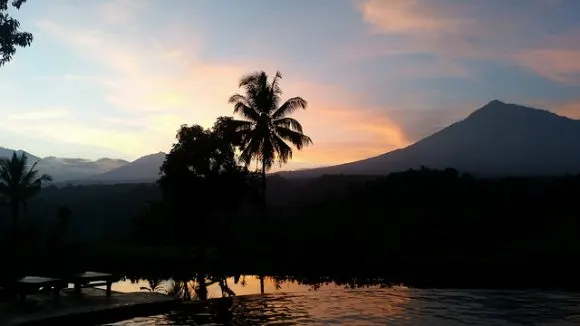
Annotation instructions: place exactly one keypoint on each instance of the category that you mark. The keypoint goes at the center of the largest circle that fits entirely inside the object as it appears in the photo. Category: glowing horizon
(117, 78)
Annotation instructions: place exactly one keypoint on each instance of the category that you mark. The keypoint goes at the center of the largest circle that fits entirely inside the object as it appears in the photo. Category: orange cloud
(560, 65)
(120, 12)
(408, 17)
(569, 109)
(343, 127)
(59, 125)
(458, 30)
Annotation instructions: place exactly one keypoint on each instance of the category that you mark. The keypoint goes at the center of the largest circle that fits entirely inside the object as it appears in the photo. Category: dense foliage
(19, 182)
(418, 227)
(10, 34)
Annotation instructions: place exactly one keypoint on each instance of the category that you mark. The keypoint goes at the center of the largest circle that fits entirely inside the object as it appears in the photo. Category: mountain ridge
(62, 169)
(496, 139)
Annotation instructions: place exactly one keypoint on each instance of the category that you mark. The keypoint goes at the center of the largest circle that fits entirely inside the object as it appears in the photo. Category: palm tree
(266, 127)
(184, 290)
(154, 285)
(18, 183)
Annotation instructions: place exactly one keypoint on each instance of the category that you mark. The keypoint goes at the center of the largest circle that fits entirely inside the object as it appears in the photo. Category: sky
(116, 78)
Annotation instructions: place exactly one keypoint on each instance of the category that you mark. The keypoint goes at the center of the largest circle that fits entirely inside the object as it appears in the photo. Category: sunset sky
(117, 78)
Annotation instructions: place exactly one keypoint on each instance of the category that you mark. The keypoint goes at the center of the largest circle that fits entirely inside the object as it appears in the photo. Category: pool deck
(92, 308)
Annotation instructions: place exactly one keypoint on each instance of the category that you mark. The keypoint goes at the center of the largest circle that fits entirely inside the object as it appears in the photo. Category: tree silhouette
(266, 127)
(154, 285)
(18, 183)
(201, 175)
(204, 184)
(10, 34)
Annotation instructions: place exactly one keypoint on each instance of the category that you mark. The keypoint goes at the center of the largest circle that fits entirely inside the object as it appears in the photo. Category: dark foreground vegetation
(420, 228)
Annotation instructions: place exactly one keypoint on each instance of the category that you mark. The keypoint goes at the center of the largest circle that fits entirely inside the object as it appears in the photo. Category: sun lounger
(92, 279)
(28, 284)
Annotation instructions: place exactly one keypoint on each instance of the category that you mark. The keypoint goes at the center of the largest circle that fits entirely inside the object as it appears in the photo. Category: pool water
(376, 306)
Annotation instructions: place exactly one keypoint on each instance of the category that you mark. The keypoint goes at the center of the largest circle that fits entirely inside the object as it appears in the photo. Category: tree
(154, 285)
(18, 183)
(266, 126)
(204, 184)
(10, 34)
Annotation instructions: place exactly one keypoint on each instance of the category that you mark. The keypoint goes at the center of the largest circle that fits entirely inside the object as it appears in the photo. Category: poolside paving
(93, 305)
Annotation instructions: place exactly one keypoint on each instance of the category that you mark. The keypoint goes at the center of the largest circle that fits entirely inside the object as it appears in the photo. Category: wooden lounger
(33, 283)
(92, 279)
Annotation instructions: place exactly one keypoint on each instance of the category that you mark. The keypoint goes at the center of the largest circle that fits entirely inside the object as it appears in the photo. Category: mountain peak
(154, 157)
(495, 102)
(497, 111)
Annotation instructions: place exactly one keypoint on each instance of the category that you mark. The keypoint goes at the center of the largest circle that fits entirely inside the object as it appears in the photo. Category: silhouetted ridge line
(498, 139)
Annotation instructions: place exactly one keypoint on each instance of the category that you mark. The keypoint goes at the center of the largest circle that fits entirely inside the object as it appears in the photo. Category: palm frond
(297, 139)
(275, 91)
(18, 183)
(5, 175)
(283, 151)
(29, 177)
(250, 151)
(244, 109)
(289, 107)
(268, 152)
(290, 123)
(238, 98)
(251, 78)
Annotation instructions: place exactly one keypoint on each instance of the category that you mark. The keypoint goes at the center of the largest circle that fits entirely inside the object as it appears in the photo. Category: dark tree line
(420, 227)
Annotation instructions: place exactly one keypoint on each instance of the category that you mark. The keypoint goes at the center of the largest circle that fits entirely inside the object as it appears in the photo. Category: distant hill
(7, 152)
(62, 169)
(498, 139)
(144, 169)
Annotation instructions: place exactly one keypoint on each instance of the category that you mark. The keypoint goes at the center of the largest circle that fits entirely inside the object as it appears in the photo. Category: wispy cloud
(38, 115)
(411, 17)
(569, 108)
(561, 65)
(477, 30)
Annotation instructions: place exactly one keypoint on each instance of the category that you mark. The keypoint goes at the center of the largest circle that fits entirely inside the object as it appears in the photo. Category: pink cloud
(570, 109)
(410, 17)
(462, 30)
(560, 65)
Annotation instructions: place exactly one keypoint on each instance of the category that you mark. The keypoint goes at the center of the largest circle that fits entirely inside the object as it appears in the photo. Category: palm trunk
(263, 213)
(263, 186)
(15, 211)
(201, 287)
(262, 284)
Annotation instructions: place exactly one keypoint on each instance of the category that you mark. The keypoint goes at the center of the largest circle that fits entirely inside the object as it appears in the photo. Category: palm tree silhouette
(266, 127)
(18, 183)
(154, 285)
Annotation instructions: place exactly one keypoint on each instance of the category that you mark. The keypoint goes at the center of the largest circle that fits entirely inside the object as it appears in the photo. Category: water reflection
(250, 286)
(375, 306)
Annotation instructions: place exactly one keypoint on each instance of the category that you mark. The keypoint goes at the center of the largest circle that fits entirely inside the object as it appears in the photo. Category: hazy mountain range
(496, 140)
(104, 170)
